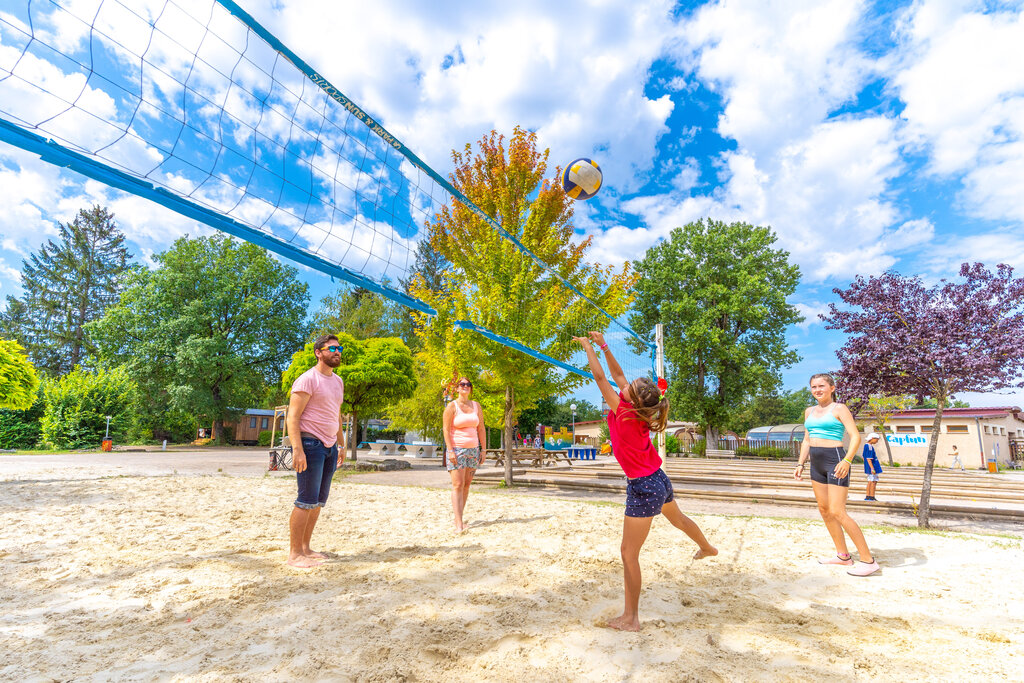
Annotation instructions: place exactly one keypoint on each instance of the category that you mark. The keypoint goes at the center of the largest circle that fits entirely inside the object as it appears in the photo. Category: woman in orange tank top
(464, 438)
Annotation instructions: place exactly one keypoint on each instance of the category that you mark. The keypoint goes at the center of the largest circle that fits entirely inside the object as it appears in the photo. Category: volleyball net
(196, 106)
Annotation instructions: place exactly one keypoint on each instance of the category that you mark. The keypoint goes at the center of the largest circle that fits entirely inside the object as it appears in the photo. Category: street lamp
(572, 407)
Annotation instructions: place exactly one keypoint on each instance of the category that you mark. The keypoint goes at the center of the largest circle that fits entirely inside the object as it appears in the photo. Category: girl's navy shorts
(646, 495)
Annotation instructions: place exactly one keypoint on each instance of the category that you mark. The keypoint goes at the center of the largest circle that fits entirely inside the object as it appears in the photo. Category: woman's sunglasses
(465, 384)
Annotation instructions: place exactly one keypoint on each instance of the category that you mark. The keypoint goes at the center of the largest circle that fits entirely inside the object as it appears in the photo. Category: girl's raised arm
(608, 393)
(618, 376)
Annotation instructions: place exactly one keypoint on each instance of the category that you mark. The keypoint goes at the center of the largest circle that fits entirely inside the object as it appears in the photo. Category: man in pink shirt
(314, 422)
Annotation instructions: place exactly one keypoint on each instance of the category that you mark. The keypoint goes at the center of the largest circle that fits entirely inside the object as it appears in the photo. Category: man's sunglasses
(334, 349)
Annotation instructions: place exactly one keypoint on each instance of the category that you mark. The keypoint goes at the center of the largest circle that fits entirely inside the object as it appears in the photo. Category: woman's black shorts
(823, 465)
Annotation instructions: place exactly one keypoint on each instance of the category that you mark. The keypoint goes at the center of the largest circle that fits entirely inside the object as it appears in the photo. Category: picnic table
(537, 457)
(421, 449)
(383, 448)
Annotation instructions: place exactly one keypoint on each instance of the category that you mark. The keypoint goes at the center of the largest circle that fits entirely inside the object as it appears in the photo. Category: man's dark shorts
(315, 480)
(646, 495)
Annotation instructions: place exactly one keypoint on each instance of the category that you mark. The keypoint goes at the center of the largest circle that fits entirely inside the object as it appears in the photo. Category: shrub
(384, 435)
(699, 447)
(77, 405)
(671, 442)
(776, 452)
(20, 429)
(264, 438)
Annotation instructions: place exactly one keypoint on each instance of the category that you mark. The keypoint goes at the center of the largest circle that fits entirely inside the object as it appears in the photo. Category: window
(265, 423)
(280, 423)
(956, 429)
(1002, 431)
(252, 423)
(906, 429)
(988, 430)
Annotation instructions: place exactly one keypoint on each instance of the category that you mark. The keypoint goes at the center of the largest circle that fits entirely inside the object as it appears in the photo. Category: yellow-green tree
(492, 283)
(18, 379)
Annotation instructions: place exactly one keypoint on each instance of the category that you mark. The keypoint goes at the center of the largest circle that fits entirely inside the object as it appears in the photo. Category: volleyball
(582, 179)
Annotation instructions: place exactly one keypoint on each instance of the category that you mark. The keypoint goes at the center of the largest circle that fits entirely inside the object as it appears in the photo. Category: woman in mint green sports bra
(826, 424)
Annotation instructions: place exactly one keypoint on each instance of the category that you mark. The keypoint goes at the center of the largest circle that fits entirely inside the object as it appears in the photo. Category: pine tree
(68, 283)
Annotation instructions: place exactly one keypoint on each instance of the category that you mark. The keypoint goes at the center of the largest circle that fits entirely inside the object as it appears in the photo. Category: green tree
(377, 372)
(552, 411)
(68, 283)
(77, 406)
(18, 380)
(423, 410)
(771, 408)
(363, 314)
(208, 330)
(720, 290)
(932, 403)
(493, 284)
(429, 267)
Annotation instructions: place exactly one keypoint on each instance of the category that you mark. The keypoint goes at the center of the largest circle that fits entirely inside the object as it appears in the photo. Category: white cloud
(959, 74)
(27, 195)
(1004, 245)
(10, 282)
(822, 182)
(780, 69)
(810, 310)
(442, 75)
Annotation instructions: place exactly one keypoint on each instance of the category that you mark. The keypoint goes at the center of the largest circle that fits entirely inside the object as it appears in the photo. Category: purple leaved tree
(906, 338)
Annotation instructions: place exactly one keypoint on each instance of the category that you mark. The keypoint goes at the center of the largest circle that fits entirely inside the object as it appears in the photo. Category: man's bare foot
(624, 623)
(314, 554)
(702, 553)
(302, 562)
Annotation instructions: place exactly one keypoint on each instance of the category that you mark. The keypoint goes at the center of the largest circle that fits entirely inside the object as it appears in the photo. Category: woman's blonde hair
(648, 403)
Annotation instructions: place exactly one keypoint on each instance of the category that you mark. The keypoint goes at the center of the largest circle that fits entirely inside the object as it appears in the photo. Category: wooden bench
(719, 453)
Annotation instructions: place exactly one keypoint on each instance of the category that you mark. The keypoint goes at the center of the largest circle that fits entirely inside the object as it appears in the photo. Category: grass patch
(945, 533)
(44, 451)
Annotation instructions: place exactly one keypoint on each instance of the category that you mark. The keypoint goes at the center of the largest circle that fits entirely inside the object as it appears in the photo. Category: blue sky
(869, 135)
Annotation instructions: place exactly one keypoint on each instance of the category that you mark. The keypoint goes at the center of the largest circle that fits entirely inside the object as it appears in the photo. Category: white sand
(182, 578)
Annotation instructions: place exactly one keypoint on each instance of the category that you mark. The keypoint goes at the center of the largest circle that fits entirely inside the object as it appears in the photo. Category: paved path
(233, 461)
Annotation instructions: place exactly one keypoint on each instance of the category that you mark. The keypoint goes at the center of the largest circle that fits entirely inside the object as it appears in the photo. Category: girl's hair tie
(662, 388)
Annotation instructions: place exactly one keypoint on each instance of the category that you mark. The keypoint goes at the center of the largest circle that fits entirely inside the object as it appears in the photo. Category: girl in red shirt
(635, 409)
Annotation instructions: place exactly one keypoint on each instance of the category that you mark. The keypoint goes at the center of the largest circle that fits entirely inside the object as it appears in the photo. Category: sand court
(182, 578)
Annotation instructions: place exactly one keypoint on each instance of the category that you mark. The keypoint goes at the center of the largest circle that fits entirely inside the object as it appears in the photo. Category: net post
(659, 343)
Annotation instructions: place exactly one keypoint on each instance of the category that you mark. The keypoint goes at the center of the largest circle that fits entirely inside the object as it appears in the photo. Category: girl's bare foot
(302, 562)
(624, 623)
(710, 551)
(315, 555)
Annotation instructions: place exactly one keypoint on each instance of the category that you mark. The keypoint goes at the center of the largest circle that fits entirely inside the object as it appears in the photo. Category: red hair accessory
(662, 387)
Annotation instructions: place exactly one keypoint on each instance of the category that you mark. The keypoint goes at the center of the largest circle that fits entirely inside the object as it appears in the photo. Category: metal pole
(659, 341)
(107, 434)
(573, 409)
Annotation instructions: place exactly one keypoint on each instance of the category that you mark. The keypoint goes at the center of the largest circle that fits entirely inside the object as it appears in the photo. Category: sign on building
(907, 439)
